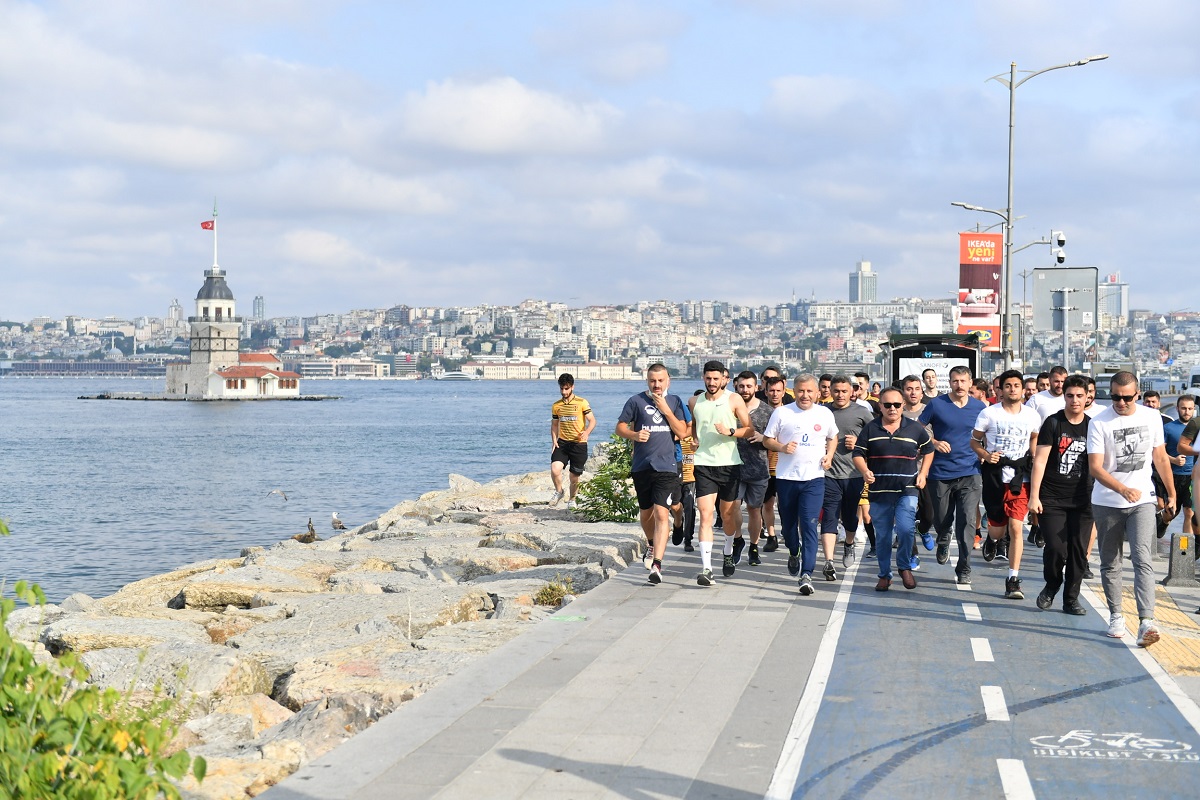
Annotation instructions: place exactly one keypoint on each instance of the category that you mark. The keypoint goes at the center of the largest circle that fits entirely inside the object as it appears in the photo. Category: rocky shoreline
(280, 655)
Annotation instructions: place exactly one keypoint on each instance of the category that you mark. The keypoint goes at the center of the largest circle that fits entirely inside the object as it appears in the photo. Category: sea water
(98, 493)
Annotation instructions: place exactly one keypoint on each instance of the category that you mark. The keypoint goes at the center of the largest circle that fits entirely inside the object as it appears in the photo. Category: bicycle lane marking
(1014, 779)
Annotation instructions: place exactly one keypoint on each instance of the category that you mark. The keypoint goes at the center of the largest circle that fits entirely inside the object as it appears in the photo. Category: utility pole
(1066, 308)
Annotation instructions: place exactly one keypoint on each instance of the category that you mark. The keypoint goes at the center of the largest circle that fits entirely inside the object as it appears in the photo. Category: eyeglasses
(892, 405)
(1124, 398)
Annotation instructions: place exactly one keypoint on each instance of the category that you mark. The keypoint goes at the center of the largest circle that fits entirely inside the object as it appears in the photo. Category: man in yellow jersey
(719, 418)
(571, 422)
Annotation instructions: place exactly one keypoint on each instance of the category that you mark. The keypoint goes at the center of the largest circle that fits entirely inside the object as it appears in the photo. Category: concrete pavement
(746, 690)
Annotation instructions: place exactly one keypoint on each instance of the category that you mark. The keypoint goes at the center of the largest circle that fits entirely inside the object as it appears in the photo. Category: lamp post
(1010, 82)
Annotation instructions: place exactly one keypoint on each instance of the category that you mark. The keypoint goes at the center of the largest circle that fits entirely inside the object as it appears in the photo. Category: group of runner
(906, 462)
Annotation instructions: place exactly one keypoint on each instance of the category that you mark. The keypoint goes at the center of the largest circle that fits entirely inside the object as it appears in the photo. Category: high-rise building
(260, 308)
(1112, 300)
(863, 283)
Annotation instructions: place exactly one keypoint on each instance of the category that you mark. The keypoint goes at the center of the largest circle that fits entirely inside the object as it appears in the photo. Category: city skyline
(597, 153)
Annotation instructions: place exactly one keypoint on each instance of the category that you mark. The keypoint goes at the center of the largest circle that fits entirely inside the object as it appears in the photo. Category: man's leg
(556, 470)
(689, 514)
(707, 506)
(788, 494)
(831, 512)
(646, 518)
(731, 515)
(904, 528)
(574, 477)
(1053, 521)
(812, 494)
(1016, 507)
(1078, 526)
(885, 525)
(1140, 530)
(662, 530)
(966, 506)
(1110, 535)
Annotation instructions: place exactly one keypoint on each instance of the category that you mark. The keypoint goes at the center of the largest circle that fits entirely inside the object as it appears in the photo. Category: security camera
(1059, 238)
(1060, 255)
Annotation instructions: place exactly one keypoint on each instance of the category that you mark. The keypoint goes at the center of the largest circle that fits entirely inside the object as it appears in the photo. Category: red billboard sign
(980, 256)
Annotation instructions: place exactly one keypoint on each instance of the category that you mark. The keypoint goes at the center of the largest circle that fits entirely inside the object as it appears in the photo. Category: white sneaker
(556, 498)
(1147, 633)
(648, 558)
(572, 505)
(1116, 625)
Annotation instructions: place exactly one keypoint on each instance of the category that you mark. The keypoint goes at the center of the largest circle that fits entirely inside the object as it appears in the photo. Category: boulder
(155, 592)
(78, 602)
(198, 674)
(26, 624)
(217, 589)
(466, 560)
(322, 725)
(262, 711)
(220, 729)
(236, 620)
(82, 633)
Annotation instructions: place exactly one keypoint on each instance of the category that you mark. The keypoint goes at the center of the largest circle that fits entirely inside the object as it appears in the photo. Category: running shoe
(978, 538)
(1075, 609)
(794, 565)
(1147, 633)
(1044, 600)
(916, 563)
(739, 543)
(705, 578)
(648, 556)
(806, 584)
(989, 548)
(1087, 573)
(1116, 625)
(1002, 548)
(677, 535)
(1012, 589)
(848, 555)
(688, 547)
(655, 573)
(718, 523)
(963, 578)
(943, 552)
(572, 505)
(870, 552)
(556, 498)
(829, 572)
(727, 567)
(928, 541)
(754, 559)
(1033, 534)
(771, 544)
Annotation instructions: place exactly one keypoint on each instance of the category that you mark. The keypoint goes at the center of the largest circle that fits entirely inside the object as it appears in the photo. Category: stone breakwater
(280, 655)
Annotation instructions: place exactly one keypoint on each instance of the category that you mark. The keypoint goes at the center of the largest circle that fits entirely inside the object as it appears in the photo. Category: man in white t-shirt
(1051, 400)
(1004, 439)
(805, 436)
(1125, 442)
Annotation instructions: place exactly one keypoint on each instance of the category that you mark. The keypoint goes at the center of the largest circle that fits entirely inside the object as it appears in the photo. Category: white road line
(963, 587)
(787, 769)
(982, 650)
(1187, 706)
(1014, 779)
(993, 703)
(971, 612)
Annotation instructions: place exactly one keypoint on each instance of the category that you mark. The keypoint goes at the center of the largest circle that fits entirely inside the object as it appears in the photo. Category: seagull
(310, 536)
(279, 492)
(338, 525)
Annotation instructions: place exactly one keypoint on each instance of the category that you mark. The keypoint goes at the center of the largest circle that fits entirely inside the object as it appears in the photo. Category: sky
(368, 154)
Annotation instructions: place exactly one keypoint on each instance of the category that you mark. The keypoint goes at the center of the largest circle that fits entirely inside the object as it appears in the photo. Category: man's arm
(1102, 476)
(1185, 447)
(977, 440)
(1041, 456)
(678, 427)
(1162, 463)
(923, 474)
(626, 432)
(860, 464)
(591, 425)
(553, 433)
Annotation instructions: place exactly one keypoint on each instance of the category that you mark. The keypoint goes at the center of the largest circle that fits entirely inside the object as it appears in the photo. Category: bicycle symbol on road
(1082, 743)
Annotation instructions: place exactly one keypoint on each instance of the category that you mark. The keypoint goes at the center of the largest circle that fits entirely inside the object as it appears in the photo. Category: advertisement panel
(980, 256)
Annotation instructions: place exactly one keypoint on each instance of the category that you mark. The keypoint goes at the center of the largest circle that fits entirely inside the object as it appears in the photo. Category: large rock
(262, 711)
(26, 624)
(136, 598)
(198, 674)
(466, 560)
(223, 627)
(221, 730)
(81, 633)
(217, 589)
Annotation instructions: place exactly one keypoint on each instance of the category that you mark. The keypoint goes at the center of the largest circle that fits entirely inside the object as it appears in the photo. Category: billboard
(980, 256)
(1074, 287)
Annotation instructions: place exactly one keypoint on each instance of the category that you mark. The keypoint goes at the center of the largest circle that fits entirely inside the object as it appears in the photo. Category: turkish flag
(208, 226)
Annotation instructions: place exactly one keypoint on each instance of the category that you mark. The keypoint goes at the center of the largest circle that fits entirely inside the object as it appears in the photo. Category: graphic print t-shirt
(1008, 433)
(1127, 443)
(658, 452)
(1067, 480)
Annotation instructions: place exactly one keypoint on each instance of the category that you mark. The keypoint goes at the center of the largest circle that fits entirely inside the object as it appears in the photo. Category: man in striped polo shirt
(893, 453)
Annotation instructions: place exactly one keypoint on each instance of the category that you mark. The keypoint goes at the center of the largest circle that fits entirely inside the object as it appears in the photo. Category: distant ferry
(455, 375)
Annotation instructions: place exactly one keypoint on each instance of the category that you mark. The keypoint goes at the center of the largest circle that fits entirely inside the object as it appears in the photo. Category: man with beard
(843, 483)
(776, 390)
(752, 482)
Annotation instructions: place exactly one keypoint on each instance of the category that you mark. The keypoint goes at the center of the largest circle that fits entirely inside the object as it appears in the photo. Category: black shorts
(1183, 491)
(655, 488)
(721, 481)
(770, 489)
(573, 453)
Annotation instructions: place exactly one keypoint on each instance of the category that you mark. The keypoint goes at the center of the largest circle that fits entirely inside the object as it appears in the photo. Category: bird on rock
(310, 536)
(338, 525)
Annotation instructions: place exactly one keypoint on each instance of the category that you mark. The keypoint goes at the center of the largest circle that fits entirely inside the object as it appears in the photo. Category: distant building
(1112, 301)
(260, 308)
(863, 283)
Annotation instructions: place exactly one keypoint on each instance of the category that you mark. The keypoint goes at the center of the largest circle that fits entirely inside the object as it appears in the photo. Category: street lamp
(1011, 83)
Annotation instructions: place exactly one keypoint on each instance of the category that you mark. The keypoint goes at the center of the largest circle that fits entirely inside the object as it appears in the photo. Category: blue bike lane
(963, 693)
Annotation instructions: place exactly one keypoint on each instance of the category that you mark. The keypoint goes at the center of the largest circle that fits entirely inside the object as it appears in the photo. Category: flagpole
(216, 267)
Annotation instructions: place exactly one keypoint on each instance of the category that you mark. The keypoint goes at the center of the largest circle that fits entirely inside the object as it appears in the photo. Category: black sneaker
(806, 586)
(848, 554)
(677, 535)
(1033, 534)
(963, 578)
(1039, 541)
(739, 544)
(1002, 548)
(1044, 601)
(989, 548)
(794, 565)
(727, 567)
(771, 544)
(829, 572)
(718, 523)
(870, 552)
(754, 559)
(943, 552)
(1087, 573)
(1012, 589)
(688, 547)
(705, 578)
(1074, 609)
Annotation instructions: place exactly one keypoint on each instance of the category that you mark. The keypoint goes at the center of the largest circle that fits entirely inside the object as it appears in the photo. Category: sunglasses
(1124, 398)
(892, 405)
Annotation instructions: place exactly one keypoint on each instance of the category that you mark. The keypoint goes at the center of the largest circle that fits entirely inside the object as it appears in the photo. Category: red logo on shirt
(817, 427)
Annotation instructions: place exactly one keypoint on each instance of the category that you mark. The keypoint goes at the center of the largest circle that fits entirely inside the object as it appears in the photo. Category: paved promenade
(747, 690)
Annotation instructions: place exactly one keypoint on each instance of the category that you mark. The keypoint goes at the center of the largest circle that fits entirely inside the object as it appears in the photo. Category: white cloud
(619, 43)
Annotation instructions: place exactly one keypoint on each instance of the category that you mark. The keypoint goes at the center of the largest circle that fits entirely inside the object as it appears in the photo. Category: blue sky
(366, 154)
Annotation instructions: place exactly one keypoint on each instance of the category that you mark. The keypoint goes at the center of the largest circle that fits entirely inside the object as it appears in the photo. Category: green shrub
(608, 496)
(554, 591)
(63, 739)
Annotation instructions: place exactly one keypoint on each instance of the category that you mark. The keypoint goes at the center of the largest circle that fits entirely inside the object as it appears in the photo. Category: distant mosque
(217, 370)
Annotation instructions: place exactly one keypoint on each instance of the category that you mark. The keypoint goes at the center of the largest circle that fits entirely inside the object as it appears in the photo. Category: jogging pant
(1114, 527)
(1066, 532)
(799, 509)
(956, 501)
